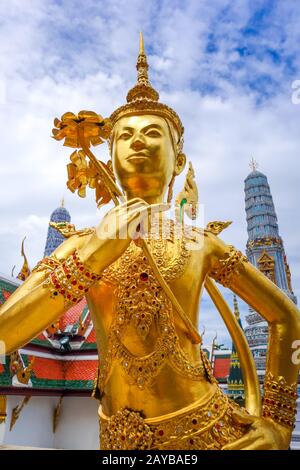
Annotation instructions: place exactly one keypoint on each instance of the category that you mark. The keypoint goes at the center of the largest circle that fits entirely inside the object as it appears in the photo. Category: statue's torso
(146, 360)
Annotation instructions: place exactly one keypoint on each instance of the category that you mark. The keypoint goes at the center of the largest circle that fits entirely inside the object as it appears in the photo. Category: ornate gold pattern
(217, 226)
(71, 279)
(280, 400)
(225, 268)
(206, 426)
(47, 264)
(264, 241)
(142, 302)
(125, 430)
(187, 200)
(266, 265)
(68, 230)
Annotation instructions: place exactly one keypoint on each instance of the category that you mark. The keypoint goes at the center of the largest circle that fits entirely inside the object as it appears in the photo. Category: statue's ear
(180, 163)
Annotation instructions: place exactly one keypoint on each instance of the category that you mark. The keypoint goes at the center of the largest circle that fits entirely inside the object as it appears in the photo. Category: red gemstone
(80, 287)
(74, 300)
(191, 441)
(63, 292)
(74, 283)
(144, 277)
(216, 406)
(87, 274)
(160, 432)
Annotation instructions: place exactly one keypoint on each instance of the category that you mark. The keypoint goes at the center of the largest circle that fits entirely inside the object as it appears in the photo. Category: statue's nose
(138, 144)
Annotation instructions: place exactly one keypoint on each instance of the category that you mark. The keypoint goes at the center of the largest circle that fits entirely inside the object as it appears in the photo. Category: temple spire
(54, 237)
(236, 308)
(253, 164)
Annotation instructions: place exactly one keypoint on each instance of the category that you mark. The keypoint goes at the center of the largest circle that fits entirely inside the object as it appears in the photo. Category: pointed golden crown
(143, 98)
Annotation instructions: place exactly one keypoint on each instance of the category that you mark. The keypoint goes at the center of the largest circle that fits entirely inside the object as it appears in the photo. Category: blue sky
(226, 67)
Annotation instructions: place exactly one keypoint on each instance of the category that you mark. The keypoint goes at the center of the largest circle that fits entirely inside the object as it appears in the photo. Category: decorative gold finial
(62, 202)
(25, 271)
(236, 307)
(142, 48)
(143, 89)
(253, 164)
(143, 98)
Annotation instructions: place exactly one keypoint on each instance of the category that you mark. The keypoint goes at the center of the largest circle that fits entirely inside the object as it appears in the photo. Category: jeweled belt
(199, 426)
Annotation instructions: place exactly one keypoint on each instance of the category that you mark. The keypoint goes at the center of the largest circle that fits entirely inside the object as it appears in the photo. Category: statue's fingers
(241, 417)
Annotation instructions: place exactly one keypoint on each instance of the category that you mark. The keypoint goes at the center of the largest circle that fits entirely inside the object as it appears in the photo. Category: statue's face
(143, 155)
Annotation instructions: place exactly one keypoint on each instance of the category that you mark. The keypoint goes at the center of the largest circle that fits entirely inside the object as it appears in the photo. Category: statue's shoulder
(212, 246)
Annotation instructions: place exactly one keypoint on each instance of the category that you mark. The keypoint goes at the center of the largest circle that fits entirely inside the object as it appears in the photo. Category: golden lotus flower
(95, 128)
(82, 174)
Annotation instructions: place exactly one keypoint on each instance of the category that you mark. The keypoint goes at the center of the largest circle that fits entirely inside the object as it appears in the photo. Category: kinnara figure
(155, 384)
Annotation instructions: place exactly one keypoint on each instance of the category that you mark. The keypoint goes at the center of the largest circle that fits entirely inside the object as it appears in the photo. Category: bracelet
(71, 279)
(225, 268)
(280, 399)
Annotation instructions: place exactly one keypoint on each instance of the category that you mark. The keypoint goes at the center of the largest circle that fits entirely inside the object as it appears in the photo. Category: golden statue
(143, 286)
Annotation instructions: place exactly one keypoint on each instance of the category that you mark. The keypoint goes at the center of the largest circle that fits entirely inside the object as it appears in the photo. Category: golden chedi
(143, 285)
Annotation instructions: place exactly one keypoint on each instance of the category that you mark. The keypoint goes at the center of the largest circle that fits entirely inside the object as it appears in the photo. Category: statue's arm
(268, 300)
(273, 429)
(31, 308)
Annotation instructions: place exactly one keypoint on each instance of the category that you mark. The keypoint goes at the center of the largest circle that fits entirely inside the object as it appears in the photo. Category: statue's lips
(137, 157)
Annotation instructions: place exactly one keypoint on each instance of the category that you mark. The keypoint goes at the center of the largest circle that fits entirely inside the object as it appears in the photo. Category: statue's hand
(115, 232)
(262, 434)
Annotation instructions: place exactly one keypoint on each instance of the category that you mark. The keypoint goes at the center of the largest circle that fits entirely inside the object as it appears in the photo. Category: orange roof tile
(48, 369)
(72, 315)
(6, 294)
(81, 370)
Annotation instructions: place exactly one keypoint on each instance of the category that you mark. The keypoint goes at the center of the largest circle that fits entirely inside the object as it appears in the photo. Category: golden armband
(71, 279)
(224, 269)
(280, 400)
(47, 264)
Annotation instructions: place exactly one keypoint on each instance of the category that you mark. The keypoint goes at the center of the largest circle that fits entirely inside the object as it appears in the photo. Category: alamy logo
(296, 92)
(296, 353)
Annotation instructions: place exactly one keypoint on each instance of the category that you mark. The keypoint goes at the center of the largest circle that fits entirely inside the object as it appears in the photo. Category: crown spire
(144, 99)
(142, 89)
(142, 48)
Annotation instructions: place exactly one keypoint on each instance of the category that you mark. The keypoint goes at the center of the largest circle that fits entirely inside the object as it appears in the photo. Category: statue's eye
(153, 133)
(125, 135)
